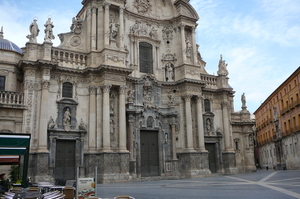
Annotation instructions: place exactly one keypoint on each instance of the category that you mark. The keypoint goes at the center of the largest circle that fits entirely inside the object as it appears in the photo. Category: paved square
(259, 185)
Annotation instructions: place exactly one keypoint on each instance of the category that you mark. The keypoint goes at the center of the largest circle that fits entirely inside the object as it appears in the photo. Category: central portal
(149, 153)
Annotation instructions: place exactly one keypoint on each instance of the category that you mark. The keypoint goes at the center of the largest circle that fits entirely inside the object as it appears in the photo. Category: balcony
(11, 99)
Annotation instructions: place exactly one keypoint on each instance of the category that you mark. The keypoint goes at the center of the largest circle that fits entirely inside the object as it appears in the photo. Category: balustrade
(11, 98)
(69, 58)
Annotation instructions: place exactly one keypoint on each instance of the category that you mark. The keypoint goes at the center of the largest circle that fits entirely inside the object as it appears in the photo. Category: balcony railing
(11, 98)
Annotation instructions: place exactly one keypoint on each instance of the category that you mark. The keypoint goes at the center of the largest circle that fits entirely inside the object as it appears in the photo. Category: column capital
(121, 9)
(122, 89)
(199, 98)
(106, 5)
(187, 97)
(93, 9)
(46, 84)
(225, 104)
(92, 90)
(106, 88)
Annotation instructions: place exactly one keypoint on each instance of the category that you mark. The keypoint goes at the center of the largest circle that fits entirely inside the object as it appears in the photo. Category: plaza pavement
(282, 184)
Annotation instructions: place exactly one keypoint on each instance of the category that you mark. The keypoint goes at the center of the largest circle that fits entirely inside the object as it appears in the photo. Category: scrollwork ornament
(46, 84)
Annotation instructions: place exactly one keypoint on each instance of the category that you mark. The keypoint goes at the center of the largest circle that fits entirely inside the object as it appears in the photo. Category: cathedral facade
(127, 92)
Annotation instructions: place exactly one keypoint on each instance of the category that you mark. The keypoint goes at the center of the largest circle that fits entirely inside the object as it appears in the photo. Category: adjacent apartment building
(278, 126)
(127, 92)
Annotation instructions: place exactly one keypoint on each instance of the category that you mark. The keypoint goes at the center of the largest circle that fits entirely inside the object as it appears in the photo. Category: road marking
(263, 183)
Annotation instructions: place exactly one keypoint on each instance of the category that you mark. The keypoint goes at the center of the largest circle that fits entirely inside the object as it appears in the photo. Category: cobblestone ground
(283, 184)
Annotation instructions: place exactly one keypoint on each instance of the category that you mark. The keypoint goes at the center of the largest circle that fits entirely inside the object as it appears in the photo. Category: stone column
(194, 45)
(188, 117)
(228, 147)
(183, 44)
(130, 138)
(174, 157)
(43, 126)
(122, 119)
(200, 124)
(106, 118)
(99, 118)
(121, 19)
(92, 119)
(106, 24)
(94, 26)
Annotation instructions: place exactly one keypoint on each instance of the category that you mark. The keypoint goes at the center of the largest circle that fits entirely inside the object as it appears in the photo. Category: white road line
(263, 183)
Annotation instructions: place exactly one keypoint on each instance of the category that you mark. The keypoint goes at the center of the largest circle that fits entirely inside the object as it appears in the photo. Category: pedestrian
(267, 167)
(274, 166)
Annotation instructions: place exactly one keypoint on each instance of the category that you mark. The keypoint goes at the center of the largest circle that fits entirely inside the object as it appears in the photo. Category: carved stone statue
(188, 47)
(208, 125)
(114, 29)
(51, 123)
(243, 99)
(67, 119)
(82, 126)
(34, 31)
(48, 30)
(142, 6)
(169, 72)
(222, 67)
(76, 25)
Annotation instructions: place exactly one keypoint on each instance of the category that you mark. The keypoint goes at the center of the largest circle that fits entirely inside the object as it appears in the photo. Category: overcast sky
(259, 39)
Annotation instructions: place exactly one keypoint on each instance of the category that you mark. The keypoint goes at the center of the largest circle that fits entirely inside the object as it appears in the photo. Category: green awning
(16, 144)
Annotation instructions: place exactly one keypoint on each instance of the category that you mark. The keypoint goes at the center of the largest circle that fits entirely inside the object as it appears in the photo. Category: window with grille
(207, 105)
(146, 60)
(2, 83)
(67, 90)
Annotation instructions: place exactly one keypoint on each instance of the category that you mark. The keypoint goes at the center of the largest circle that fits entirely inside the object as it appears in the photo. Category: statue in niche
(34, 31)
(130, 96)
(112, 129)
(76, 25)
(48, 30)
(169, 70)
(51, 123)
(82, 126)
(171, 97)
(114, 29)
(188, 47)
(208, 126)
(67, 119)
(222, 67)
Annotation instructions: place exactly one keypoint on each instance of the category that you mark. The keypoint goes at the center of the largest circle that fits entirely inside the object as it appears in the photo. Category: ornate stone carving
(142, 6)
(46, 84)
(122, 89)
(189, 48)
(114, 29)
(167, 34)
(130, 96)
(76, 26)
(169, 57)
(75, 41)
(92, 90)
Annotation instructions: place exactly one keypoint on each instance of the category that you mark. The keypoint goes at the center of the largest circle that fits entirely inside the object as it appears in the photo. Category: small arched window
(146, 60)
(207, 105)
(67, 90)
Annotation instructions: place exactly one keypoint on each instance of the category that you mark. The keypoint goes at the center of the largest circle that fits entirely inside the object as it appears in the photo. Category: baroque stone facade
(127, 92)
